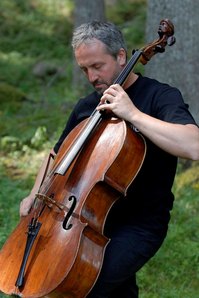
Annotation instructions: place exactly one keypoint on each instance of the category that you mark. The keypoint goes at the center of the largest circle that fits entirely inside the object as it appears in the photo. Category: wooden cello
(57, 250)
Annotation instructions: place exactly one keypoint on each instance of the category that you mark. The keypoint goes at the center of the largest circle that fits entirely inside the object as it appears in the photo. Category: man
(137, 225)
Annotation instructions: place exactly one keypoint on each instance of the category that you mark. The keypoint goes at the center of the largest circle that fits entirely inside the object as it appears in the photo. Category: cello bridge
(49, 201)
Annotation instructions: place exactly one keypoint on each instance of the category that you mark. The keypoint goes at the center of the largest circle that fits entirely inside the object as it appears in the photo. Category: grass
(33, 111)
(174, 271)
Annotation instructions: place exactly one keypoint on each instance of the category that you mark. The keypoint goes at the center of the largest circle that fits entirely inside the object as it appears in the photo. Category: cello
(57, 250)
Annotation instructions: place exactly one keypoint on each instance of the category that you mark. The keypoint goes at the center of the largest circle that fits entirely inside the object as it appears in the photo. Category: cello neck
(123, 76)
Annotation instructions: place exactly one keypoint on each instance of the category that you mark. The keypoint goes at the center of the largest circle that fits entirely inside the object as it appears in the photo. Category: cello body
(68, 252)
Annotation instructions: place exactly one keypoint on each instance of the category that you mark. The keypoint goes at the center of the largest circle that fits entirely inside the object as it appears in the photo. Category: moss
(9, 93)
(187, 179)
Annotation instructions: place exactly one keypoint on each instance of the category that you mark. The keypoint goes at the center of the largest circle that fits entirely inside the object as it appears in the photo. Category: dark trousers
(129, 249)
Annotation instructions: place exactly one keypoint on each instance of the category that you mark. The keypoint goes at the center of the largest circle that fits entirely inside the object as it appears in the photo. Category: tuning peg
(159, 49)
(171, 40)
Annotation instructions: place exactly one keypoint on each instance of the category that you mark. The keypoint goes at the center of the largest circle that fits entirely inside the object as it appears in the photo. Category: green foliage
(11, 192)
(39, 138)
(10, 143)
(10, 97)
(29, 32)
(33, 32)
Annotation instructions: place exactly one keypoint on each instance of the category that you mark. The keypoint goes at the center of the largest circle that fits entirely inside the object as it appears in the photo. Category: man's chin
(100, 89)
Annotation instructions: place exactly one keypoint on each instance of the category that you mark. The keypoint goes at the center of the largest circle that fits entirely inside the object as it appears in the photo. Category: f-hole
(66, 224)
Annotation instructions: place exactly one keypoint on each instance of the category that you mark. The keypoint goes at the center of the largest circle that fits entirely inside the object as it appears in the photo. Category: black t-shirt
(149, 198)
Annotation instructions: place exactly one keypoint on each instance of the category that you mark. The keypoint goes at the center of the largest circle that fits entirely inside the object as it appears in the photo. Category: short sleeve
(169, 106)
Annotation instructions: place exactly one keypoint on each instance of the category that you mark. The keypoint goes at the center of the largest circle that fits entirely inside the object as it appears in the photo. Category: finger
(116, 88)
(24, 212)
(107, 99)
(104, 106)
(111, 91)
(24, 208)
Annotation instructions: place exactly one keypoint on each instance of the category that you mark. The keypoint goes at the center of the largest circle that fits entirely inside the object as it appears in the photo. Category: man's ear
(121, 57)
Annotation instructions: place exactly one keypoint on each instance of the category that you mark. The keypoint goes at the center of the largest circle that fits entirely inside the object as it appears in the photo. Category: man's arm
(177, 139)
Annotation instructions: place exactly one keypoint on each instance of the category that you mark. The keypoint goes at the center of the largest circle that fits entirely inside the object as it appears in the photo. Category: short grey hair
(106, 32)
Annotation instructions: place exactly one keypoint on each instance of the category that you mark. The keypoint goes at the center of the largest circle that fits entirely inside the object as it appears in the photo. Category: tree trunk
(85, 11)
(178, 66)
(88, 10)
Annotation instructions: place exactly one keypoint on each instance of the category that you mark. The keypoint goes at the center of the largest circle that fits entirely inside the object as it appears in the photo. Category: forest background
(36, 97)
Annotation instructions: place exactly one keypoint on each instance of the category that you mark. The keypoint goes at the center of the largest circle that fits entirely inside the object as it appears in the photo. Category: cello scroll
(166, 37)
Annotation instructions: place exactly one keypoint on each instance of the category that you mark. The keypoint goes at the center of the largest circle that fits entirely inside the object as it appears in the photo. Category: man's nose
(92, 76)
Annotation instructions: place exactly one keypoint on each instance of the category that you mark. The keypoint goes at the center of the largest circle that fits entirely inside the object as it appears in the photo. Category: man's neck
(130, 80)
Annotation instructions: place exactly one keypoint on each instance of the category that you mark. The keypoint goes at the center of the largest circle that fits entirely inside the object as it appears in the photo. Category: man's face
(100, 68)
